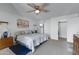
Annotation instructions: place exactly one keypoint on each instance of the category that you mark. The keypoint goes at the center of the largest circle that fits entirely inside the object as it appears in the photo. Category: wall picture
(21, 23)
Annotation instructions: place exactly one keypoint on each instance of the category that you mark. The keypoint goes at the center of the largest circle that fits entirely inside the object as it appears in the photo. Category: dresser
(6, 42)
(76, 44)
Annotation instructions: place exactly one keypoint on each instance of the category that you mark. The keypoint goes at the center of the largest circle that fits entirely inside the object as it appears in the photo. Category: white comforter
(32, 40)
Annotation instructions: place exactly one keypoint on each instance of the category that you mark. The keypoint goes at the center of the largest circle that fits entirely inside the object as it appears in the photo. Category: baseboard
(62, 38)
(53, 39)
(69, 41)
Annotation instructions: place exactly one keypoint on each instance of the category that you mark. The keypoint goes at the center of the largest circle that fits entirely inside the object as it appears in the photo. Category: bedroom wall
(54, 29)
(50, 27)
(72, 26)
(8, 13)
(54, 26)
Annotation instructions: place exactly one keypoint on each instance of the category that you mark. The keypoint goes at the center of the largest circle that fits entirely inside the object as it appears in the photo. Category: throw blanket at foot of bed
(20, 49)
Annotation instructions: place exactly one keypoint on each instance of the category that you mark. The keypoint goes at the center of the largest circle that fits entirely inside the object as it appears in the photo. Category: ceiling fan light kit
(37, 11)
(38, 8)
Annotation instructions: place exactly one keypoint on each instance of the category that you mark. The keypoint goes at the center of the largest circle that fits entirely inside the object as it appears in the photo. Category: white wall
(8, 13)
(50, 27)
(72, 26)
(54, 29)
(47, 25)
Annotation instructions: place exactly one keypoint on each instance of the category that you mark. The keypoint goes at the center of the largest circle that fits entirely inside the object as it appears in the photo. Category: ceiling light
(41, 25)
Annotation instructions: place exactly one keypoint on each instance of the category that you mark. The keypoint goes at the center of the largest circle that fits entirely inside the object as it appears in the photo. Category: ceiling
(56, 9)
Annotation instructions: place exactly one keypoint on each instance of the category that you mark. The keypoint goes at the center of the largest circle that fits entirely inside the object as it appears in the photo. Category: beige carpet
(55, 47)
(6, 51)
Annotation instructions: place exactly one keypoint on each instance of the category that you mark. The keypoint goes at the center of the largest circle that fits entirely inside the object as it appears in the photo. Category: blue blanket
(20, 49)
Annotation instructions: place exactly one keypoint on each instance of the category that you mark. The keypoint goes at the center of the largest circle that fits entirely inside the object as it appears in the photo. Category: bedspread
(32, 40)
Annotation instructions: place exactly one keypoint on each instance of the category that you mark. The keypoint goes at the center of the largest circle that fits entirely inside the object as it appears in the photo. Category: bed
(32, 40)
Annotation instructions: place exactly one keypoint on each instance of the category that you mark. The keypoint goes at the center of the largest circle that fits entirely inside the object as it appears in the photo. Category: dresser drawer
(6, 42)
(9, 42)
(76, 45)
(2, 45)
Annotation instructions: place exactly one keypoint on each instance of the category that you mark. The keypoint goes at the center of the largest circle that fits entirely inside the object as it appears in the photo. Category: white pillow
(28, 32)
(20, 33)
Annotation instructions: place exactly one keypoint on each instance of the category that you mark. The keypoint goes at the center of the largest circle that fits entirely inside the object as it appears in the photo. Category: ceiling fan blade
(30, 11)
(32, 5)
(43, 5)
(45, 10)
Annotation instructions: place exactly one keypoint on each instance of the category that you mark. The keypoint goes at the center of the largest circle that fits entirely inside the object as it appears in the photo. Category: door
(62, 29)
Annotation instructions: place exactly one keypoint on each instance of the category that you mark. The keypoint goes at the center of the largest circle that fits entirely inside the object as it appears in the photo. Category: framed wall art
(21, 23)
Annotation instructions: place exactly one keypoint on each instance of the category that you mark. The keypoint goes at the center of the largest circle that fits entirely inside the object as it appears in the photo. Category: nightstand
(6, 42)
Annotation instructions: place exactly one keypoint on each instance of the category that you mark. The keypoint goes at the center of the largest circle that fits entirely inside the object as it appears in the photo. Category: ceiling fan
(38, 7)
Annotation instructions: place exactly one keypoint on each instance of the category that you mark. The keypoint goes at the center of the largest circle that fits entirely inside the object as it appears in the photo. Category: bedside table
(6, 42)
